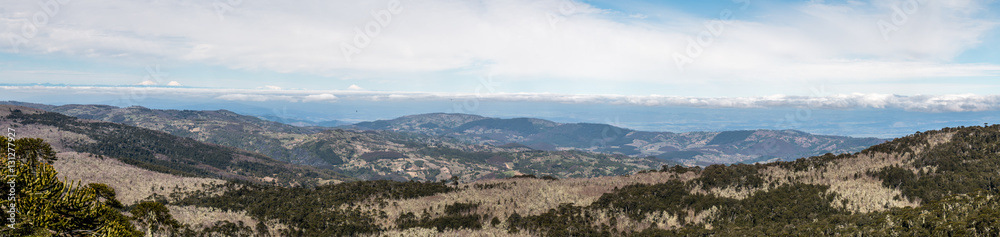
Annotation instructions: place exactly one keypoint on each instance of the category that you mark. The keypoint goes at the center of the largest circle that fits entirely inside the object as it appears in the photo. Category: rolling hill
(701, 148)
(364, 154)
(158, 151)
(934, 183)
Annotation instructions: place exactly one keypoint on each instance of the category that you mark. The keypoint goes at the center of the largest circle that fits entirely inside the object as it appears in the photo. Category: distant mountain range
(158, 151)
(363, 154)
(918, 185)
(696, 148)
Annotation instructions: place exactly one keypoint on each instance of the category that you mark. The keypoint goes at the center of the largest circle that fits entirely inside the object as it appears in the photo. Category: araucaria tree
(39, 204)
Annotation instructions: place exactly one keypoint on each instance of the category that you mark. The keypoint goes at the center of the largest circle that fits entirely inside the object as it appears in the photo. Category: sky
(913, 55)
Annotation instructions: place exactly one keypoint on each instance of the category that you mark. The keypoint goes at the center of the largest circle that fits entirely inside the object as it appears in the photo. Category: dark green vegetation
(367, 155)
(951, 174)
(961, 194)
(966, 164)
(43, 205)
(162, 152)
(709, 147)
(48, 206)
(730, 137)
(217, 127)
(316, 212)
(281, 141)
(457, 216)
(788, 208)
(739, 176)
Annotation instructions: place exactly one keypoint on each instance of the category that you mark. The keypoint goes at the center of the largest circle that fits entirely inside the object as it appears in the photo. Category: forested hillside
(701, 148)
(369, 155)
(158, 151)
(280, 141)
(936, 183)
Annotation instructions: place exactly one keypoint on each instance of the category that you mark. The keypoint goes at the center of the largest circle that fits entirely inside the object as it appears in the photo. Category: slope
(701, 148)
(157, 151)
(366, 154)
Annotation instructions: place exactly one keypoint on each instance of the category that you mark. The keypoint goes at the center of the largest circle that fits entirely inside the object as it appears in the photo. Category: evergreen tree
(42, 205)
(155, 217)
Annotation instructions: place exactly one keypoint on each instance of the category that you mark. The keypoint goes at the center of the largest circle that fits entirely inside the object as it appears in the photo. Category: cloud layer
(554, 39)
(918, 103)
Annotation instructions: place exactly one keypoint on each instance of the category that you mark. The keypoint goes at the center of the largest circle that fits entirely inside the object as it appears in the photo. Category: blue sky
(546, 47)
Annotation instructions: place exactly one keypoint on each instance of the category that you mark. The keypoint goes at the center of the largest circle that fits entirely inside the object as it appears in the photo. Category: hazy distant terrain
(313, 145)
(691, 147)
(861, 122)
(365, 154)
(158, 151)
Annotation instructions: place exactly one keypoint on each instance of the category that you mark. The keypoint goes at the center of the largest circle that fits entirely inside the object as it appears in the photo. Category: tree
(33, 151)
(155, 217)
(454, 180)
(47, 206)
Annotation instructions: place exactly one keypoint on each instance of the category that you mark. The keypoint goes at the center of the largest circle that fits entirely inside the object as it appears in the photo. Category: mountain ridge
(365, 154)
(693, 148)
(157, 151)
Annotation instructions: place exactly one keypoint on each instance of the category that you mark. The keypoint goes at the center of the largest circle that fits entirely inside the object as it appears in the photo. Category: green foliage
(441, 223)
(814, 162)
(460, 208)
(674, 197)
(308, 210)
(566, 220)
(155, 217)
(521, 126)
(161, 152)
(32, 150)
(678, 169)
(786, 204)
(223, 228)
(105, 192)
(531, 176)
(970, 161)
(45, 205)
(738, 175)
(730, 137)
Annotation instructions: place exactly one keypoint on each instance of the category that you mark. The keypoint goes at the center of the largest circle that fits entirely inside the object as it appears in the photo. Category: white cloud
(319, 97)
(522, 39)
(270, 87)
(919, 103)
(257, 97)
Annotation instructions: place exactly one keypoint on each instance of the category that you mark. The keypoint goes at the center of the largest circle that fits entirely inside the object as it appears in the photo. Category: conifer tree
(43, 205)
